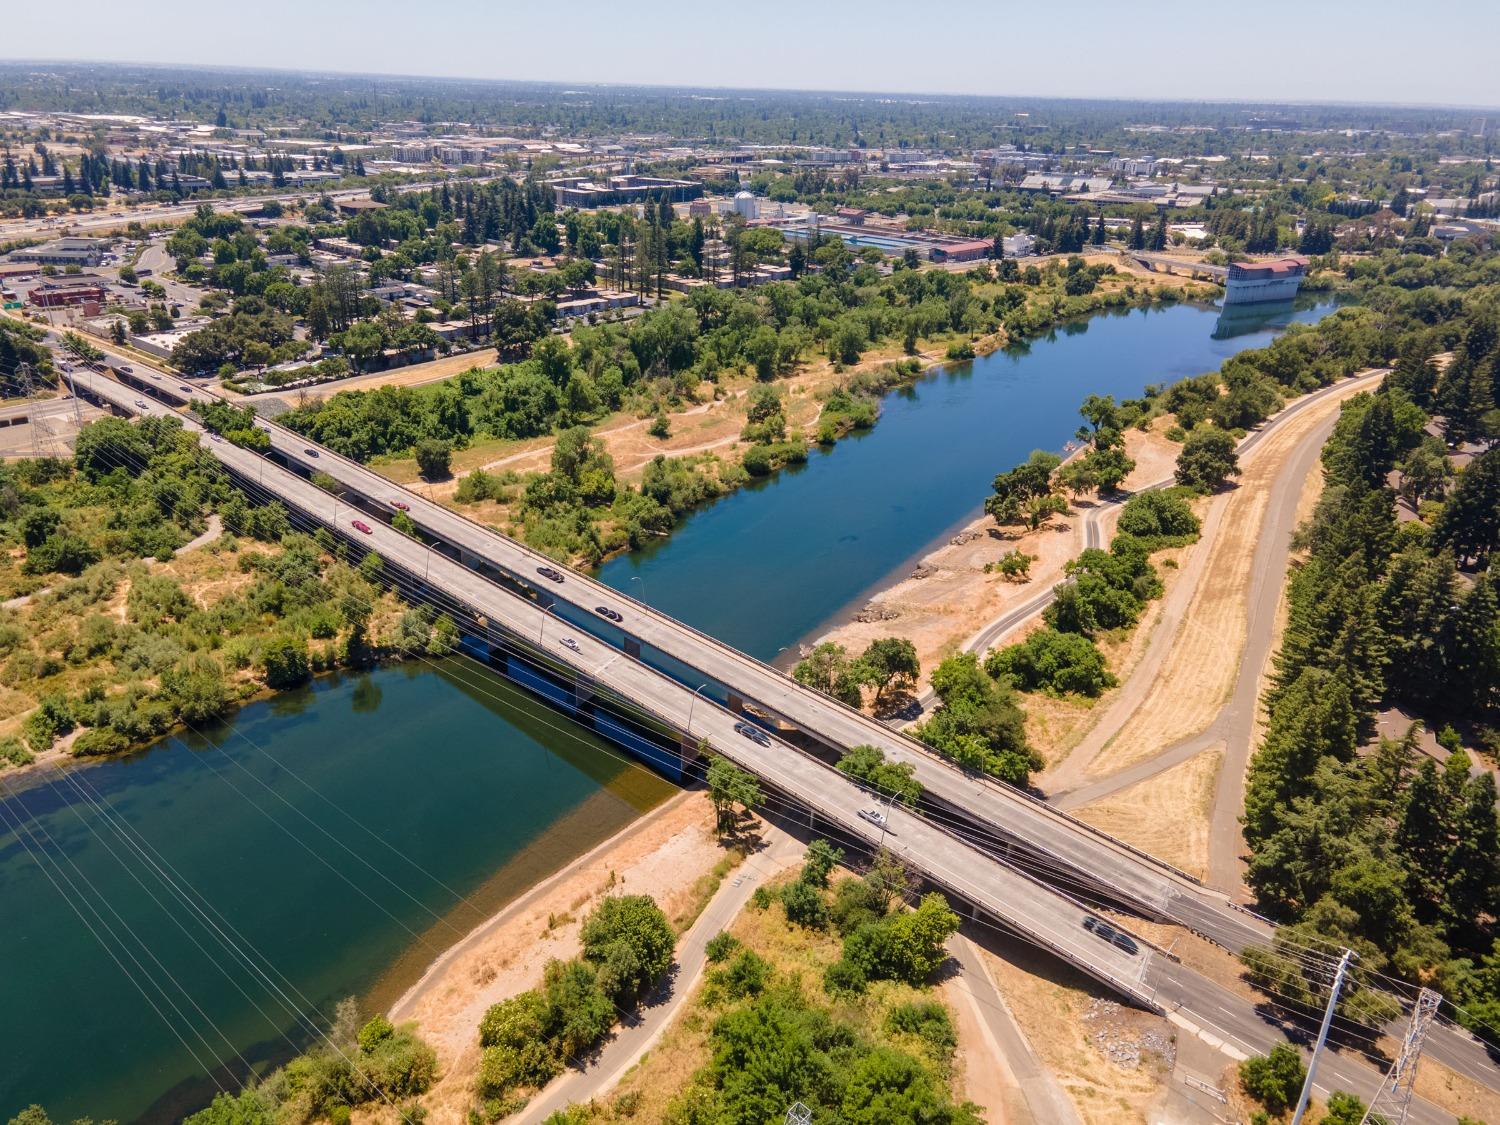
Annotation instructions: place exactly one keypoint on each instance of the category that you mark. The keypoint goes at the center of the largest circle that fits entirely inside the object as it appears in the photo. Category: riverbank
(674, 855)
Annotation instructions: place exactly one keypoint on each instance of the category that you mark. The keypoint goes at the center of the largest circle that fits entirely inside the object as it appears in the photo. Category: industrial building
(583, 193)
(63, 252)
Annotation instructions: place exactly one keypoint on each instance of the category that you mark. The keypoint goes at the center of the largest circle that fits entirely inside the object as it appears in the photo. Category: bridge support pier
(632, 647)
(735, 703)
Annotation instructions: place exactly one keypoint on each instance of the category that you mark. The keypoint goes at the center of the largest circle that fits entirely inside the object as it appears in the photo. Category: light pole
(691, 702)
(642, 581)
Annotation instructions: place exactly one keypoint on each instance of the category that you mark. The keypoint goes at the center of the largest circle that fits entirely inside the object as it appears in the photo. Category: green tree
(728, 786)
(1274, 1080)
(1207, 459)
(888, 662)
(629, 940)
(434, 456)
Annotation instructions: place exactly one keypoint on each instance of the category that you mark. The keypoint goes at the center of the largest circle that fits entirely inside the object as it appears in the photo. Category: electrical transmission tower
(798, 1114)
(1393, 1100)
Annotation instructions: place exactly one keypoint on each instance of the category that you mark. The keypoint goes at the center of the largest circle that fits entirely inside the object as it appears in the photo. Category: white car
(141, 403)
(569, 642)
(875, 817)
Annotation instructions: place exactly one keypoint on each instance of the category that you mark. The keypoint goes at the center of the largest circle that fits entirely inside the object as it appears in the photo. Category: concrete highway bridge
(1008, 857)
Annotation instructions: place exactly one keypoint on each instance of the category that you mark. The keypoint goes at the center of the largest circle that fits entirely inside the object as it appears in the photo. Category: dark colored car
(549, 573)
(184, 388)
(360, 525)
(1105, 932)
(606, 612)
(310, 452)
(753, 733)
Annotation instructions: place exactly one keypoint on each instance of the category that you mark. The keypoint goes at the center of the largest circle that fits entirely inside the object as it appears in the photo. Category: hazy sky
(1439, 51)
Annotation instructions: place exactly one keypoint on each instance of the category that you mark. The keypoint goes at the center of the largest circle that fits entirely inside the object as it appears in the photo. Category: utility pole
(1392, 1102)
(1312, 1064)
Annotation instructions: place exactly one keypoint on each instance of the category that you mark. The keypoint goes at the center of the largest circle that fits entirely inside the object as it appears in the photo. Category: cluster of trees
(526, 1040)
(1107, 591)
(769, 1036)
(887, 664)
(1387, 852)
(978, 723)
(21, 344)
(354, 1066)
(896, 780)
(143, 489)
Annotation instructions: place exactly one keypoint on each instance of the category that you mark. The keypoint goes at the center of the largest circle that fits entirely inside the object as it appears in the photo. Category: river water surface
(343, 835)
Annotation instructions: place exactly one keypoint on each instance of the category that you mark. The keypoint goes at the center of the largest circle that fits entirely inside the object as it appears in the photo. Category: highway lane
(1034, 911)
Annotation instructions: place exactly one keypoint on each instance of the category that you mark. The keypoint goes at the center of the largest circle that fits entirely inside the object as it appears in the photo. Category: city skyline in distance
(1279, 52)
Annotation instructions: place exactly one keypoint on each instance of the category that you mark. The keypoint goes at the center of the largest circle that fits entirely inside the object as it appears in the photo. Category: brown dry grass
(1200, 669)
(667, 856)
(1166, 815)
(1049, 1002)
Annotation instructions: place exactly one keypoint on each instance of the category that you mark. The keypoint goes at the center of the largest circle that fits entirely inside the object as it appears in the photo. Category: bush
(720, 946)
(1274, 1080)
(1015, 565)
(747, 975)
(630, 941)
(844, 978)
(284, 660)
(14, 754)
(928, 1020)
(1057, 663)
(1159, 519)
(99, 742)
(804, 905)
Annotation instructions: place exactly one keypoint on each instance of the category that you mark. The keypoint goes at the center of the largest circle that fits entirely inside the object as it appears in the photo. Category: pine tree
(1137, 234)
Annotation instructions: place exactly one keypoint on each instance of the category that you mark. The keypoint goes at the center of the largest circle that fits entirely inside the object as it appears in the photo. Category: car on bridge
(549, 573)
(141, 403)
(753, 733)
(1105, 932)
(310, 451)
(569, 642)
(609, 614)
(360, 525)
(877, 818)
(401, 505)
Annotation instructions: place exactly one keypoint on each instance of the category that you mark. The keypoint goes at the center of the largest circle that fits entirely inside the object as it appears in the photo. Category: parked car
(1105, 932)
(360, 525)
(753, 733)
(605, 612)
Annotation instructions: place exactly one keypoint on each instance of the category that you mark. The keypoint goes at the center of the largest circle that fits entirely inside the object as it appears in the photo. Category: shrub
(804, 905)
(1015, 565)
(1159, 519)
(844, 978)
(284, 660)
(13, 753)
(747, 975)
(720, 946)
(99, 742)
(1057, 663)
(1274, 1080)
(928, 1020)
(630, 941)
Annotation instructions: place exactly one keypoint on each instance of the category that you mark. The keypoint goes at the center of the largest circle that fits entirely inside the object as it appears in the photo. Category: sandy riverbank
(940, 602)
(673, 855)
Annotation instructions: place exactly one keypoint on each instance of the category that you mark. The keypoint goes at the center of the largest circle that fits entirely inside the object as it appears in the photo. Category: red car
(360, 525)
(401, 505)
